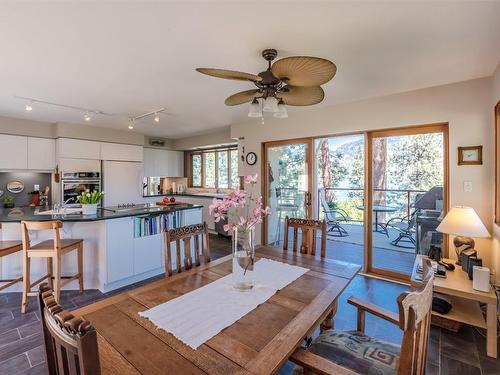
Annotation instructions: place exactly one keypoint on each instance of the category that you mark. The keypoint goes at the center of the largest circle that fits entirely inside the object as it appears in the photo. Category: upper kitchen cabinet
(78, 149)
(121, 152)
(13, 152)
(41, 153)
(163, 163)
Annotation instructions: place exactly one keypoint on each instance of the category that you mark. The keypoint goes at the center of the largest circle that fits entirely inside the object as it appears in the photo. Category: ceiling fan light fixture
(282, 112)
(255, 110)
(270, 105)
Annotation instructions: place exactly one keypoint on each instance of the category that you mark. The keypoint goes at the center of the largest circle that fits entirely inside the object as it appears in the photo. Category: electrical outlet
(36, 188)
(468, 186)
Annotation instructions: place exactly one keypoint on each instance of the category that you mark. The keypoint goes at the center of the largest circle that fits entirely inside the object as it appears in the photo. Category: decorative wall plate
(15, 187)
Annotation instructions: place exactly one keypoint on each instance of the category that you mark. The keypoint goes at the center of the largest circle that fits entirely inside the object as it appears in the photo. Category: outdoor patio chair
(334, 218)
(406, 227)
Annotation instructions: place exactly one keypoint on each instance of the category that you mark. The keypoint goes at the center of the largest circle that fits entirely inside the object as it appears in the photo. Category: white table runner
(197, 316)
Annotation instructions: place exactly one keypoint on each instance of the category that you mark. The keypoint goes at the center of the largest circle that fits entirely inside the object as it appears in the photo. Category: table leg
(328, 323)
(491, 330)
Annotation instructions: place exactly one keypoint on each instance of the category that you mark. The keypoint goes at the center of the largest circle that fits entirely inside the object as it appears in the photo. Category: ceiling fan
(292, 80)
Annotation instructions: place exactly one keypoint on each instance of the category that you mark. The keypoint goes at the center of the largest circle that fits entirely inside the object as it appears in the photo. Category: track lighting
(157, 117)
(28, 107)
(131, 124)
(86, 116)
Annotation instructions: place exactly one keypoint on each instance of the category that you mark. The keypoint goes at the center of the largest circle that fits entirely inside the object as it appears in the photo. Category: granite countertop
(199, 195)
(33, 214)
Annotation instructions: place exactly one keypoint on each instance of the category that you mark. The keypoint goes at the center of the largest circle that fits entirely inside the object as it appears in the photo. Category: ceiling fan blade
(297, 95)
(241, 97)
(304, 70)
(229, 74)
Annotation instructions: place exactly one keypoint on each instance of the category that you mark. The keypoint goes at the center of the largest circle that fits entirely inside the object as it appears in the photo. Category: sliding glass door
(407, 195)
(287, 185)
(339, 194)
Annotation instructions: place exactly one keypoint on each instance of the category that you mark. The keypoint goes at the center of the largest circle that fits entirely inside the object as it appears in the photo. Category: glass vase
(243, 258)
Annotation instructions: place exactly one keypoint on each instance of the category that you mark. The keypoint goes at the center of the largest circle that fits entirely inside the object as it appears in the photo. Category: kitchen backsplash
(29, 180)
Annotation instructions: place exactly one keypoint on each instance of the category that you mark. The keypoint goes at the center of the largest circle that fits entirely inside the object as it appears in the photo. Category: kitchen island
(121, 245)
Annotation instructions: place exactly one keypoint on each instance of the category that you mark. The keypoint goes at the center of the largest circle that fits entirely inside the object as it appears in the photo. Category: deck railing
(407, 192)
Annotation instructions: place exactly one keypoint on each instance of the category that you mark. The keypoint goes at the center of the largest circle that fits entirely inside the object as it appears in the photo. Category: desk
(259, 343)
(465, 301)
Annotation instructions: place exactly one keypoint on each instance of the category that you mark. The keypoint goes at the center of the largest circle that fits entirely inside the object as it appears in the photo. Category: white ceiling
(133, 57)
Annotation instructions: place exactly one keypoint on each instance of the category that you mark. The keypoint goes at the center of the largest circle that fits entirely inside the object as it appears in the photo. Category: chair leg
(80, 266)
(26, 282)
(50, 272)
(57, 277)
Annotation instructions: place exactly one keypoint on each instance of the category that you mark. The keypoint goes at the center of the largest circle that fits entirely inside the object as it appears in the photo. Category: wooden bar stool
(53, 250)
(7, 248)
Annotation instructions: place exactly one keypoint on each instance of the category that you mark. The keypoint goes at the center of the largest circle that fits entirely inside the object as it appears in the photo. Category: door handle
(308, 199)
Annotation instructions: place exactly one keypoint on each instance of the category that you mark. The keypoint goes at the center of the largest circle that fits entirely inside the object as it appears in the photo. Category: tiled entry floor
(21, 346)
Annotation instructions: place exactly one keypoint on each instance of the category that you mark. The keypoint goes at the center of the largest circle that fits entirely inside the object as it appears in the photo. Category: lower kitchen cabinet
(131, 259)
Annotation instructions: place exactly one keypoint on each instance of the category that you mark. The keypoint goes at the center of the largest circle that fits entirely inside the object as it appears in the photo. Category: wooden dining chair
(308, 228)
(70, 342)
(8, 248)
(353, 352)
(52, 250)
(196, 232)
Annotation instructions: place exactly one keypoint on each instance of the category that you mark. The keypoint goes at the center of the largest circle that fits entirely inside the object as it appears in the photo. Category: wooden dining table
(258, 343)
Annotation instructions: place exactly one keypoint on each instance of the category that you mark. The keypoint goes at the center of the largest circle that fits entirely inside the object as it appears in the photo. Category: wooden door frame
(368, 220)
(309, 141)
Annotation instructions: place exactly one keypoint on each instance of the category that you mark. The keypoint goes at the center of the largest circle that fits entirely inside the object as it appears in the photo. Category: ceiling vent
(157, 142)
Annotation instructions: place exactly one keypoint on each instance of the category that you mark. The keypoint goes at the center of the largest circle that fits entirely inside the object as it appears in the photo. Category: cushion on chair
(358, 352)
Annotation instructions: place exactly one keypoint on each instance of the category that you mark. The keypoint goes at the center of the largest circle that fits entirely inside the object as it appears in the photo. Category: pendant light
(270, 104)
(255, 110)
(282, 112)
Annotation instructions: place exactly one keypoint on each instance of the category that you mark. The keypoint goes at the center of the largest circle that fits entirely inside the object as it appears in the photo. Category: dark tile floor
(21, 347)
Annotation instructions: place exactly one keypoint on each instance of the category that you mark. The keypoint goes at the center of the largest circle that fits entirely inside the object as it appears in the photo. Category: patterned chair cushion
(358, 352)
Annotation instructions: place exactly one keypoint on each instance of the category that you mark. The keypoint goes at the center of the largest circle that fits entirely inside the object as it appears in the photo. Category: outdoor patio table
(377, 209)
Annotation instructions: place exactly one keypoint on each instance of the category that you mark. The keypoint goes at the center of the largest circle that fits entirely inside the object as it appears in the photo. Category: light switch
(468, 186)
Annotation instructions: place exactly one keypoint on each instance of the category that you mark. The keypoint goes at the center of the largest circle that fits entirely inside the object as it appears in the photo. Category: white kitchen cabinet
(205, 214)
(121, 152)
(41, 153)
(163, 163)
(119, 249)
(148, 253)
(13, 152)
(78, 149)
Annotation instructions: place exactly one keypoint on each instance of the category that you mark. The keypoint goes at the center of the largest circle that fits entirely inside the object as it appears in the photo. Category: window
(196, 167)
(215, 168)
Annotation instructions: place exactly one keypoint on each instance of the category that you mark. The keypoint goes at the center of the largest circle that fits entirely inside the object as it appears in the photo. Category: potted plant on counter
(8, 202)
(89, 201)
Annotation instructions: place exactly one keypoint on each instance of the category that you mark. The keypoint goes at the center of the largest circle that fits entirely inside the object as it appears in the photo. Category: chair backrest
(196, 232)
(54, 225)
(415, 320)
(70, 342)
(329, 213)
(308, 228)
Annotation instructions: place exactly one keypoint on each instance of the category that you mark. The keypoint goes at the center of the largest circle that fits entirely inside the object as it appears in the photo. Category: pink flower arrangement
(242, 210)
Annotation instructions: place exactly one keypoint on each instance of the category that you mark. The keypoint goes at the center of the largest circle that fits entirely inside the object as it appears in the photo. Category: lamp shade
(463, 221)
(255, 110)
(270, 104)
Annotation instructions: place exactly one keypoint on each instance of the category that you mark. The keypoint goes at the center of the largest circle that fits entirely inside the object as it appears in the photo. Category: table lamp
(464, 223)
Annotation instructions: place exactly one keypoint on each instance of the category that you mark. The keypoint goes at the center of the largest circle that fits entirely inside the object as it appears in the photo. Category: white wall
(214, 138)
(496, 228)
(466, 106)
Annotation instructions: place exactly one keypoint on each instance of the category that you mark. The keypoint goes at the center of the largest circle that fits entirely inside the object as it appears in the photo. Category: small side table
(465, 301)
